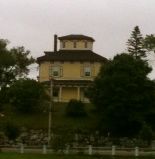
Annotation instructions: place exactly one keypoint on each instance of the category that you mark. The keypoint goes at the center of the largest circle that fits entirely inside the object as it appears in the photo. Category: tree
(146, 133)
(27, 95)
(3, 97)
(123, 96)
(149, 42)
(14, 63)
(136, 44)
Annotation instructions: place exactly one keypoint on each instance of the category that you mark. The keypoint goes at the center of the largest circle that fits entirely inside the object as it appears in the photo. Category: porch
(65, 90)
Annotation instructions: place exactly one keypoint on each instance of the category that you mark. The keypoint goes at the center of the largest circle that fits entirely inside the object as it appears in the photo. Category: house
(72, 68)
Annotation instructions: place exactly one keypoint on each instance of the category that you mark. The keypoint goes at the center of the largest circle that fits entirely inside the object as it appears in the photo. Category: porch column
(78, 93)
(60, 94)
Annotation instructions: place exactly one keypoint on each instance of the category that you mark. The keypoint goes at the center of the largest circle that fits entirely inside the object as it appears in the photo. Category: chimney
(55, 43)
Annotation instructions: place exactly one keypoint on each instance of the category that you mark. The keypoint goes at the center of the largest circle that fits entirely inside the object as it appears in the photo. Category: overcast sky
(32, 23)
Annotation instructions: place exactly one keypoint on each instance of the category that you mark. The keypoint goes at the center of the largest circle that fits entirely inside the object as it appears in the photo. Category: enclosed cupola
(76, 42)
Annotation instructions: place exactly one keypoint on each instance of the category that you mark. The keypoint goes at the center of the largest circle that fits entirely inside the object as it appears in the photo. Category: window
(55, 71)
(87, 71)
(63, 44)
(74, 44)
(85, 44)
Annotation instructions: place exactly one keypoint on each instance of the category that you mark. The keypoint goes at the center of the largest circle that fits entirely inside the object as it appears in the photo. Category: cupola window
(85, 44)
(63, 44)
(74, 44)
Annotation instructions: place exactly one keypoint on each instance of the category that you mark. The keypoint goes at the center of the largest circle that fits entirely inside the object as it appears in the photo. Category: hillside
(59, 119)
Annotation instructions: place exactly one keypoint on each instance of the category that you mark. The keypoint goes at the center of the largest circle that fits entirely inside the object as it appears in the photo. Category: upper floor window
(85, 44)
(87, 71)
(56, 71)
(63, 44)
(74, 44)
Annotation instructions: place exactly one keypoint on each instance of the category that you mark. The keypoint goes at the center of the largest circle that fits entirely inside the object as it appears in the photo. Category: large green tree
(136, 44)
(27, 96)
(139, 46)
(124, 96)
(14, 63)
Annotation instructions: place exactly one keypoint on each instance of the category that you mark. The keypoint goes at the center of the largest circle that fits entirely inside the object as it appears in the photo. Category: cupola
(76, 42)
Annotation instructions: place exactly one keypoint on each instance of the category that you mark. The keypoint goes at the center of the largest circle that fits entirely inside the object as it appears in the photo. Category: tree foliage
(3, 97)
(146, 133)
(123, 95)
(11, 130)
(136, 44)
(149, 42)
(14, 63)
(27, 95)
(139, 46)
(75, 108)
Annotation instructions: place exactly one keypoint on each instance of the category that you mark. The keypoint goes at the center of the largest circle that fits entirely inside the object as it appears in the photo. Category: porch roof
(69, 83)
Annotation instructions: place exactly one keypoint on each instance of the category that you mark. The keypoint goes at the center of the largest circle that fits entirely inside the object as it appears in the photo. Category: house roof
(76, 37)
(72, 55)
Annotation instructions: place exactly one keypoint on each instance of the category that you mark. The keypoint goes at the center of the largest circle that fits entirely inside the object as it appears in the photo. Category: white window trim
(87, 71)
(57, 69)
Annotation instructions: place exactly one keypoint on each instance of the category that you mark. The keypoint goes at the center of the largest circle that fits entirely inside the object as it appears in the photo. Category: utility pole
(50, 112)
(51, 97)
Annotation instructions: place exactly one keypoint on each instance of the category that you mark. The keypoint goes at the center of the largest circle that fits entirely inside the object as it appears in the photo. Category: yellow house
(72, 68)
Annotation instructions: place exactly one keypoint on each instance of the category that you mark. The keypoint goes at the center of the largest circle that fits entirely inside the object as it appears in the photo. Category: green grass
(41, 156)
(35, 121)
(59, 119)
(48, 156)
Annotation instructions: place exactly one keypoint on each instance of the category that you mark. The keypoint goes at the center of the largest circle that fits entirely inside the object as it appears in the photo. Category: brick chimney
(55, 43)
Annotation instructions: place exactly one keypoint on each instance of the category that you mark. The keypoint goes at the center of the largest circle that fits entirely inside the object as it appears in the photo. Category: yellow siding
(70, 70)
(80, 45)
(69, 93)
(44, 71)
(97, 66)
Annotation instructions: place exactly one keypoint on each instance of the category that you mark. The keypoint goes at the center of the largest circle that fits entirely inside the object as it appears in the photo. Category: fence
(90, 150)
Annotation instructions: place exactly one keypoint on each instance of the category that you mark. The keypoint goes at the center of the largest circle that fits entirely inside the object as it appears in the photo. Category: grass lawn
(48, 156)
(59, 119)
(41, 156)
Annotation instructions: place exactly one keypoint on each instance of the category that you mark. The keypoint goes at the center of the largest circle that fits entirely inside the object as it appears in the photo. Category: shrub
(75, 108)
(58, 143)
(146, 133)
(2, 138)
(61, 140)
(11, 131)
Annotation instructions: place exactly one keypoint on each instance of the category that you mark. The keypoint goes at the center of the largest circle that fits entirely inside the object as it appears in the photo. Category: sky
(33, 23)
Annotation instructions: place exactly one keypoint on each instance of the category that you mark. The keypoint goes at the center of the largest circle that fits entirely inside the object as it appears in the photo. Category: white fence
(90, 150)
